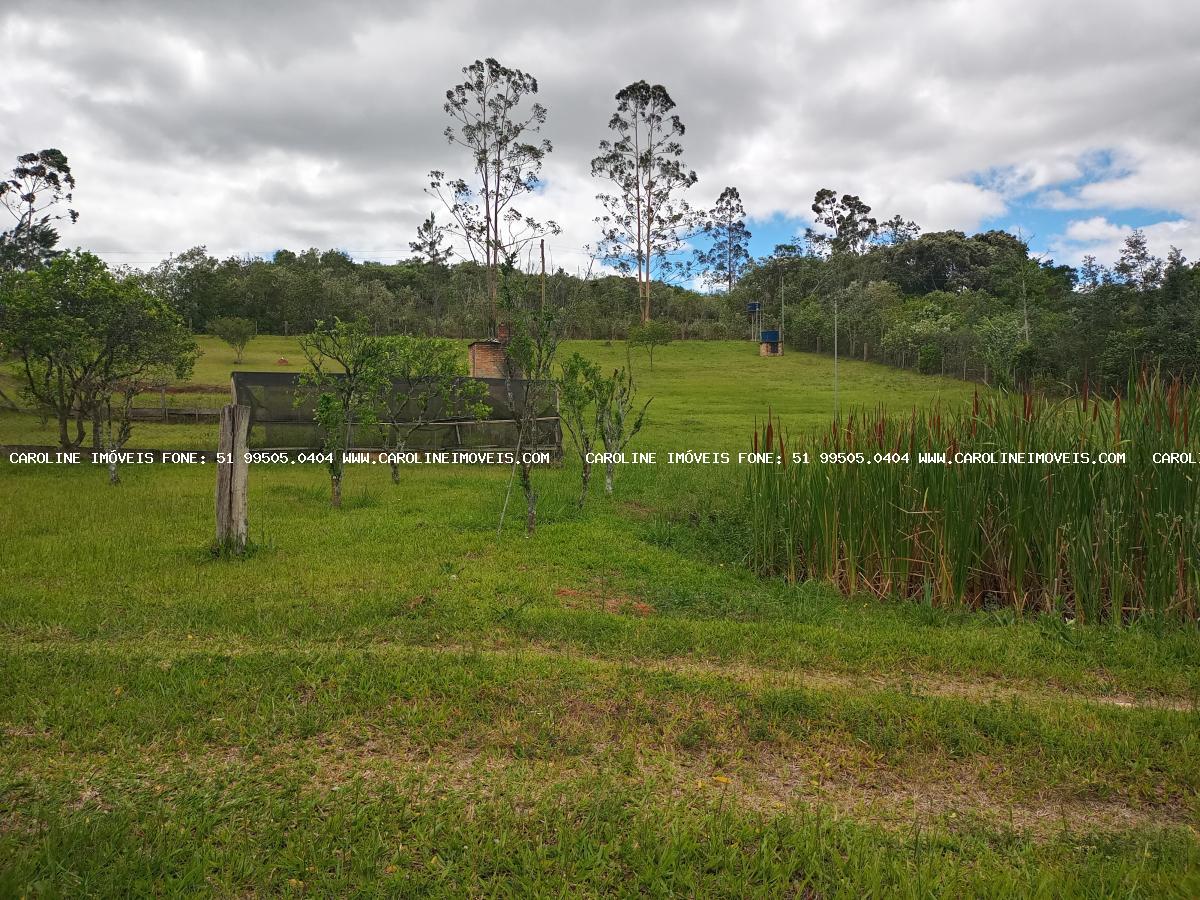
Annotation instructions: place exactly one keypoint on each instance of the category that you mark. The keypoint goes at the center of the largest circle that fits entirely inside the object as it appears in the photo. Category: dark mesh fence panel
(278, 420)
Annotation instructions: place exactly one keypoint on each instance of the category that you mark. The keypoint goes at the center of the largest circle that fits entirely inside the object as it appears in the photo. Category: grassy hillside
(395, 699)
(706, 393)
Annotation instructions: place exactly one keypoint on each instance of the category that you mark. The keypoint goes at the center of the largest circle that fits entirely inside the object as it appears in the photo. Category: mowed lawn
(396, 699)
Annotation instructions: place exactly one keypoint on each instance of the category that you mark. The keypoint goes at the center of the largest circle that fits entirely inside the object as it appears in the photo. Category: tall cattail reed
(1099, 543)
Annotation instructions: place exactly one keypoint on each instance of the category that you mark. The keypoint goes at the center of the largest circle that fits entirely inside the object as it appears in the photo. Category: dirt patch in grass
(948, 792)
(617, 604)
(637, 510)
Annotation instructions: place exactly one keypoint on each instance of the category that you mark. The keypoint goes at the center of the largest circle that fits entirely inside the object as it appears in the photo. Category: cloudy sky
(250, 126)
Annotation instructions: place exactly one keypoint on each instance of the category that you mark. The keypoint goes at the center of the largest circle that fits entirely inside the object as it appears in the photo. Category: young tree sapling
(345, 399)
(578, 382)
(614, 404)
(234, 331)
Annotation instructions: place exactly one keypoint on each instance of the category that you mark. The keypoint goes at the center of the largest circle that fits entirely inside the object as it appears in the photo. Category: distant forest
(976, 307)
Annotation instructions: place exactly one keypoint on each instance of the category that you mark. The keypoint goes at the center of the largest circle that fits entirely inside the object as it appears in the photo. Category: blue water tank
(753, 307)
(770, 337)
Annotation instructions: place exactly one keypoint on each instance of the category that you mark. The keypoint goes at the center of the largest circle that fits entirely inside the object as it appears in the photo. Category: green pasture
(397, 699)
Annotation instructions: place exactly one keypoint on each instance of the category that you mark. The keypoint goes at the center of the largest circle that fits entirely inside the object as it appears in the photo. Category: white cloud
(253, 126)
(1101, 238)
(1094, 230)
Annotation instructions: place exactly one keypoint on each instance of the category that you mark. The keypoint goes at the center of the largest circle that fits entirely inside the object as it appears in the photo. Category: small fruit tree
(348, 398)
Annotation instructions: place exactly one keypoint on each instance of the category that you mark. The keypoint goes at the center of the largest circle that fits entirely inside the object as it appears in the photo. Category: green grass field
(393, 699)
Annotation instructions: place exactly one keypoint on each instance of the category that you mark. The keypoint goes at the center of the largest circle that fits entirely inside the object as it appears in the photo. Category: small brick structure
(489, 358)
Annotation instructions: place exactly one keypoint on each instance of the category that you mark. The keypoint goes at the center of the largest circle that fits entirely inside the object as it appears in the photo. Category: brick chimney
(489, 358)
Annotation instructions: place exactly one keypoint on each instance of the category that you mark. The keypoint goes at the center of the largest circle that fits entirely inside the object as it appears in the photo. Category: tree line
(980, 306)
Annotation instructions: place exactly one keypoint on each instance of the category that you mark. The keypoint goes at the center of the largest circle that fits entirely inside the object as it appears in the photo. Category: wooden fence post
(232, 470)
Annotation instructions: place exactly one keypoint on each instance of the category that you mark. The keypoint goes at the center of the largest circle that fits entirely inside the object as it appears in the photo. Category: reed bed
(1092, 542)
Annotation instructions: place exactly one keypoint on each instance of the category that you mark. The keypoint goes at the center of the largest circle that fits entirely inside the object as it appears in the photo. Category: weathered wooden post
(232, 470)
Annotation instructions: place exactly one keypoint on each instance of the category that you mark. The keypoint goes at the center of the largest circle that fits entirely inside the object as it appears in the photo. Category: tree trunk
(64, 418)
(335, 491)
(395, 472)
(587, 479)
(113, 476)
(530, 498)
(728, 258)
(608, 477)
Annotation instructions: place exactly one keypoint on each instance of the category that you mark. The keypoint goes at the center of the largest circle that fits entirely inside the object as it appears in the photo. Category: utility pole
(542, 242)
(781, 305)
(1024, 298)
(835, 355)
(836, 300)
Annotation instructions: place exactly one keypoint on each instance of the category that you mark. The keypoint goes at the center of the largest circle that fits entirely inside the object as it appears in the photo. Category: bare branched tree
(645, 219)
(493, 123)
(729, 251)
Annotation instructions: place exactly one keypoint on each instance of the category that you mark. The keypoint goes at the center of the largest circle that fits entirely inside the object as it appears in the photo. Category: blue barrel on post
(770, 337)
(753, 307)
